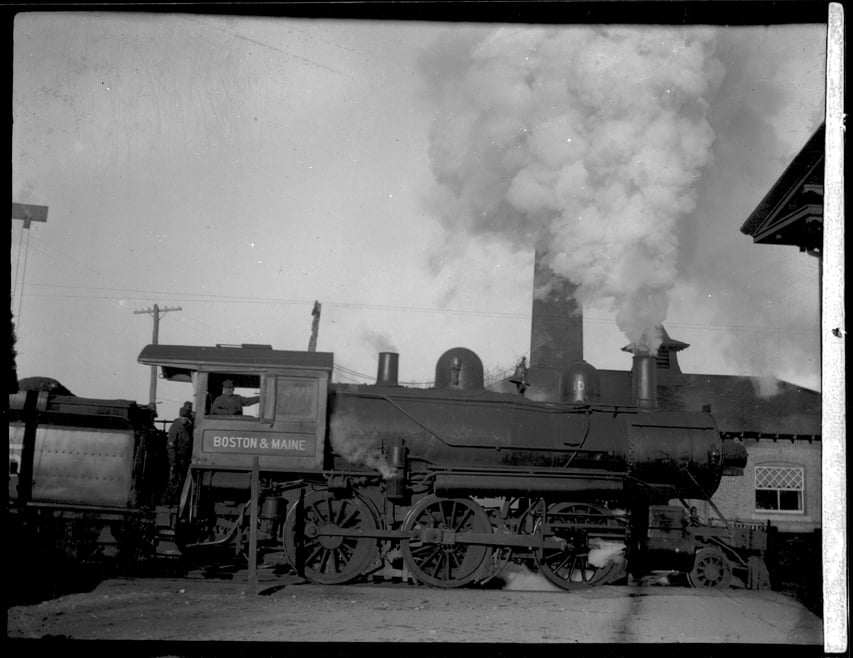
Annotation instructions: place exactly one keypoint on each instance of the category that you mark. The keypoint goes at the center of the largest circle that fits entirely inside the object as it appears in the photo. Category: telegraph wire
(202, 298)
(237, 35)
(223, 299)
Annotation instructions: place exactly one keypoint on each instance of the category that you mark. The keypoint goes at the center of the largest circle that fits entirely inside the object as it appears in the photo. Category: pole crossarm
(29, 213)
(161, 311)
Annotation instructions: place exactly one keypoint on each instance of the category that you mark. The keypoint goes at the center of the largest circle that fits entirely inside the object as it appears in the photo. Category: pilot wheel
(711, 568)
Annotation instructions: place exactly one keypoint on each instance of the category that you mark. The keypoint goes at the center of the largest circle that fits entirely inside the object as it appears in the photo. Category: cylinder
(644, 381)
(387, 372)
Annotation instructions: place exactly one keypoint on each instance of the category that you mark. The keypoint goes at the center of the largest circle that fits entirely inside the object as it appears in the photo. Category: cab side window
(296, 397)
(233, 394)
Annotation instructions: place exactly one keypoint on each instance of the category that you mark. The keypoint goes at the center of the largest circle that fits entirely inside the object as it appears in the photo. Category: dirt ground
(528, 610)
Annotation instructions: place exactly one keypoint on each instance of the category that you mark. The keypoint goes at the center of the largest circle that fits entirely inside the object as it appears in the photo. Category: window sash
(779, 489)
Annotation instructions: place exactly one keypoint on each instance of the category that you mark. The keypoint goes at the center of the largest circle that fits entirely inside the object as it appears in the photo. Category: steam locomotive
(445, 486)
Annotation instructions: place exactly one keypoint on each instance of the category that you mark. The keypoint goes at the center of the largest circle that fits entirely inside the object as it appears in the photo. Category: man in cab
(229, 403)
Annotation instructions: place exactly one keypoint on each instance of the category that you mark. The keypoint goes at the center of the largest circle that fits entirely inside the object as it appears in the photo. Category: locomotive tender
(445, 485)
(83, 473)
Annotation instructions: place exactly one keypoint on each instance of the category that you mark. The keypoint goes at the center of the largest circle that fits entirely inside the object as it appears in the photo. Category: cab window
(296, 397)
(242, 401)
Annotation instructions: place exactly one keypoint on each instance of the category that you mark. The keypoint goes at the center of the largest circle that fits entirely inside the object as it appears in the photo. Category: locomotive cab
(274, 415)
(283, 420)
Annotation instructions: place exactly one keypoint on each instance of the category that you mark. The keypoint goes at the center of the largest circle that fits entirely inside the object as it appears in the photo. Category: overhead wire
(203, 298)
(237, 35)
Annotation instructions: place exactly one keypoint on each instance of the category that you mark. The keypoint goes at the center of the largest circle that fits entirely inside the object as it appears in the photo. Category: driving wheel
(588, 557)
(433, 555)
(321, 537)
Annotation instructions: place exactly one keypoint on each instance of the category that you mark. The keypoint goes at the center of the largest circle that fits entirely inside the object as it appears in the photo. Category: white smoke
(763, 298)
(379, 340)
(603, 553)
(586, 142)
(518, 578)
(766, 386)
(356, 447)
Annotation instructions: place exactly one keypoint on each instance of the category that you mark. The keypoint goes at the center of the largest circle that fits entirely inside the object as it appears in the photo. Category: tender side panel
(83, 466)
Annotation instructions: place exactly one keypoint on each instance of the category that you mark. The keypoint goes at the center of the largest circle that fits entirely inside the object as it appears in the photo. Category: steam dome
(579, 383)
(459, 368)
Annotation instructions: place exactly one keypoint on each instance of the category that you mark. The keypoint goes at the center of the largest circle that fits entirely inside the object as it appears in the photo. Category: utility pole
(27, 213)
(315, 325)
(155, 312)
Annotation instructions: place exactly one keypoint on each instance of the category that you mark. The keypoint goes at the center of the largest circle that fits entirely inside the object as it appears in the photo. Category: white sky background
(241, 168)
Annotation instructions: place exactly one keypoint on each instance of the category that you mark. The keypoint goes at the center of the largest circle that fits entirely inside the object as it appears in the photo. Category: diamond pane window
(779, 488)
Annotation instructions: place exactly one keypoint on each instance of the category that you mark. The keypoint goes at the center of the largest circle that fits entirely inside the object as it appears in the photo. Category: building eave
(774, 220)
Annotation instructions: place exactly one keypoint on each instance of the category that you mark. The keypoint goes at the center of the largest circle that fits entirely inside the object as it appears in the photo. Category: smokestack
(644, 380)
(556, 336)
(387, 372)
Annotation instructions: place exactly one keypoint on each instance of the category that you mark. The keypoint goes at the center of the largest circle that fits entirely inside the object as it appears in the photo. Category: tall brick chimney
(556, 336)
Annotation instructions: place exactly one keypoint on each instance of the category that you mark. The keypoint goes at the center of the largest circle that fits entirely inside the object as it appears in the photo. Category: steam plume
(606, 552)
(356, 447)
(585, 142)
(379, 340)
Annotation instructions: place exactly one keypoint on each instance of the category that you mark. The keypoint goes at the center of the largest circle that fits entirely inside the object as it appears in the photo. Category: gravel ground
(289, 610)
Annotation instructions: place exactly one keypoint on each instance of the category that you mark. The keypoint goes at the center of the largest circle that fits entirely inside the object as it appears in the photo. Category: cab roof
(179, 360)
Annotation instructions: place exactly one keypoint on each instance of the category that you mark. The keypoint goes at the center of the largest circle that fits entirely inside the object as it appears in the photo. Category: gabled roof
(791, 212)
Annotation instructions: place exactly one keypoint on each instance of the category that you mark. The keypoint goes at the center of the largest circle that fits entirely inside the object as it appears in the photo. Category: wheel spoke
(564, 561)
(421, 549)
(338, 513)
(345, 522)
(431, 553)
(467, 514)
(318, 515)
(438, 562)
(324, 558)
(316, 551)
(449, 521)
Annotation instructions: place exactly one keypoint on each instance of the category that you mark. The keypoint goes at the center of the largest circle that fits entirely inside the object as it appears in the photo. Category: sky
(402, 174)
